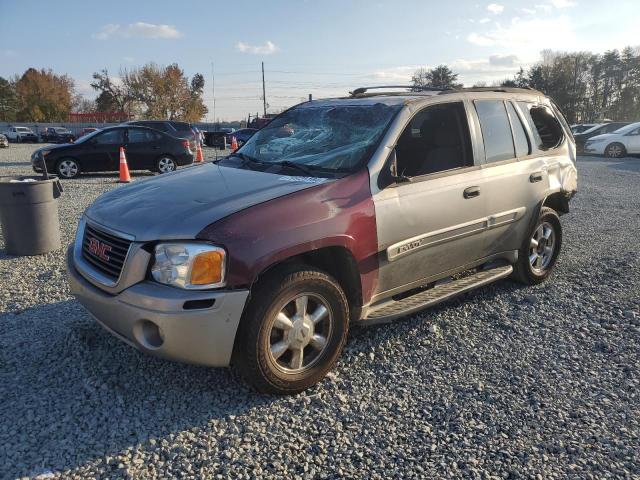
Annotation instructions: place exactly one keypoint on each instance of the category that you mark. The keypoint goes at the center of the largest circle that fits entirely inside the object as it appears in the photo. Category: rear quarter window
(546, 129)
(496, 130)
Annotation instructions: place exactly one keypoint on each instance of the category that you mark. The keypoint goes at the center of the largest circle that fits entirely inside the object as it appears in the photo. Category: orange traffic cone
(199, 157)
(234, 144)
(124, 168)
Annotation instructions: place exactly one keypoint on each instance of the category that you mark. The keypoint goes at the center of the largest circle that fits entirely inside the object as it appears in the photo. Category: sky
(324, 48)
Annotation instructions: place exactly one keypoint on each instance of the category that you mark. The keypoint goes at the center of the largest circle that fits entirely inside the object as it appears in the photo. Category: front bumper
(161, 320)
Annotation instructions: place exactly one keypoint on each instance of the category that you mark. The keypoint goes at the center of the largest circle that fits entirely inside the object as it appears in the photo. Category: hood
(179, 205)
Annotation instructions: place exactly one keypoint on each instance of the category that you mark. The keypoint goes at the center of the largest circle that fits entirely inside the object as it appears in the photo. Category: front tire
(292, 331)
(615, 150)
(67, 168)
(538, 255)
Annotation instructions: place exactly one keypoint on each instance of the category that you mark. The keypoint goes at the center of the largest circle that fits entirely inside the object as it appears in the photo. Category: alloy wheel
(614, 151)
(299, 333)
(68, 168)
(542, 247)
(166, 165)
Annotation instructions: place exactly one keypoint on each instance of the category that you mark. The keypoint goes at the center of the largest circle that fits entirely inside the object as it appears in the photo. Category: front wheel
(539, 252)
(165, 164)
(67, 168)
(292, 332)
(615, 150)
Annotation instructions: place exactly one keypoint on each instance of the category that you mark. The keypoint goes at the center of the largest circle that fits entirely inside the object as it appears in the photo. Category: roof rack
(412, 88)
(440, 91)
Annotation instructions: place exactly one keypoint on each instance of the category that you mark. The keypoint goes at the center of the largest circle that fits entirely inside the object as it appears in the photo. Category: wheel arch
(337, 261)
(557, 201)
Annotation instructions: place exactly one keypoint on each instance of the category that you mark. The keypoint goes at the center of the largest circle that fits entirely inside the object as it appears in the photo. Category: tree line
(587, 87)
(150, 91)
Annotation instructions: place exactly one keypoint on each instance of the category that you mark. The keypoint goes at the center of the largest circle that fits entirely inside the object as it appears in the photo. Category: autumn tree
(438, 77)
(43, 96)
(8, 100)
(114, 96)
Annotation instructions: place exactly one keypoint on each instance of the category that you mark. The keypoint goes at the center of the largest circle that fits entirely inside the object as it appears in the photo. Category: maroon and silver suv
(352, 210)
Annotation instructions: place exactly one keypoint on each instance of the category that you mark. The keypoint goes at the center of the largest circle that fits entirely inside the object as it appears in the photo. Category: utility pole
(264, 95)
(213, 92)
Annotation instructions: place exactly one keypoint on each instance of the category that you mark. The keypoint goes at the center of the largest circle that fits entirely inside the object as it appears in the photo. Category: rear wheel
(292, 332)
(165, 164)
(615, 150)
(539, 252)
(68, 168)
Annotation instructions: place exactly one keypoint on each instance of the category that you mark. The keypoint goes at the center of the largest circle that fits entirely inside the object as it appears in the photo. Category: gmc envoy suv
(360, 209)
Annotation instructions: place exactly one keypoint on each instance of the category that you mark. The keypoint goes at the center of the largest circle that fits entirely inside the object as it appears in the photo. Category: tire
(67, 168)
(615, 150)
(166, 164)
(532, 270)
(286, 355)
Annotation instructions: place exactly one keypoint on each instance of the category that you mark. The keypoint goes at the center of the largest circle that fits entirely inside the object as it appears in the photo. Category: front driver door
(433, 221)
(102, 152)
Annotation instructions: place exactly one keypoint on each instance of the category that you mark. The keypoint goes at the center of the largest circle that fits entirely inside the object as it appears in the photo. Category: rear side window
(519, 136)
(496, 130)
(138, 135)
(547, 131)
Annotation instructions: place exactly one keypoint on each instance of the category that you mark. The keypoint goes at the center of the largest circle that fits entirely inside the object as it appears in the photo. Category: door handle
(471, 192)
(535, 177)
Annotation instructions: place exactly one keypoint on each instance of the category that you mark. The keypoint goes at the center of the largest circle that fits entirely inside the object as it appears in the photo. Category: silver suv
(360, 209)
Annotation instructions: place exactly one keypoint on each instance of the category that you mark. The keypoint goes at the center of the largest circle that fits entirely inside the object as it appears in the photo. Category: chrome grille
(104, 251)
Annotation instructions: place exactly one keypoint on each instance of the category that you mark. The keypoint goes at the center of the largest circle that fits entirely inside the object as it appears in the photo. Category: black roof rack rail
(361, 90)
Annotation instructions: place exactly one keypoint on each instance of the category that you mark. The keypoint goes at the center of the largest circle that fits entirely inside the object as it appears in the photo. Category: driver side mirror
(389, 174)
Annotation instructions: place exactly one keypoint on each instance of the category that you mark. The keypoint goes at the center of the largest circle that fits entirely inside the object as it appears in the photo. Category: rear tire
(165, 164)
(615, 150)
(539, 252)
(292, 332)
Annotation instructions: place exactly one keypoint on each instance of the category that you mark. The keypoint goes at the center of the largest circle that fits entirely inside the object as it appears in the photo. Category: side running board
(392, 309)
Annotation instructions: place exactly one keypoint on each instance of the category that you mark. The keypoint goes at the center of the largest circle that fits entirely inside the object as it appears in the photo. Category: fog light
(148, 334)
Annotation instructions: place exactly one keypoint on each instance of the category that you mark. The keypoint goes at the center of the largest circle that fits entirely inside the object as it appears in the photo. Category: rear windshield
(331, 137)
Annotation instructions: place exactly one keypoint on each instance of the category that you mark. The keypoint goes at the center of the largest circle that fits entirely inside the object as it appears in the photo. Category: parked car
(146, 149)
(4, 141)
(216, 138)
(170, 127)
(581, 127)
(87, 130)
(21, 134)
(581, 138)
(351, 210)
(57, 135)
(620, 143)
(242, 135)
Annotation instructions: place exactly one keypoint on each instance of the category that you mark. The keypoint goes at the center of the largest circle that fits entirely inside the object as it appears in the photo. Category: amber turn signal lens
(208, 268)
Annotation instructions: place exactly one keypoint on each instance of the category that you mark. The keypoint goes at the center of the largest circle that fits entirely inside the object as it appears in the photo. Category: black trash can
(29, 214)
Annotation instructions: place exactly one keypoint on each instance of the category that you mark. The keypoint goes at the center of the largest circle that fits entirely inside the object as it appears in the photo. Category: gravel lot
(505, 382)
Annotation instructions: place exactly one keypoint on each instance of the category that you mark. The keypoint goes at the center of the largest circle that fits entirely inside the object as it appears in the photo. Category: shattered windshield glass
(324, 137)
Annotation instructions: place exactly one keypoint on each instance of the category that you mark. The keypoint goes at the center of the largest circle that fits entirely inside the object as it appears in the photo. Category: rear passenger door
(515, 172)
(142, 148)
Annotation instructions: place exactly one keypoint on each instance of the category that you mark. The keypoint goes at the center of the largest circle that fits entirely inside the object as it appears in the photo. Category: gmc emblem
(99, 249)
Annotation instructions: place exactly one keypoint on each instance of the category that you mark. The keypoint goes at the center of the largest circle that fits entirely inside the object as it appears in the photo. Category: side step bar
(392, 309)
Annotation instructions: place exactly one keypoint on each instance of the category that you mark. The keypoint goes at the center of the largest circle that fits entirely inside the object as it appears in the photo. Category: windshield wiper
(307, 170)
(246, 159)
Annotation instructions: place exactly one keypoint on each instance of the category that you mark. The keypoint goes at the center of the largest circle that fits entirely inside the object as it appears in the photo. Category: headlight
(193, 266)
(597, 140)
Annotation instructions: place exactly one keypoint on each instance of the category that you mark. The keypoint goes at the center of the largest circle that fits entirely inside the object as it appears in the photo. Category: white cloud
(400, 74)
(528, 11)
(503, 60)
(484, 20)
(266, 49)
(527, 37)
(563, 3)
(137, 30)
(495, 8)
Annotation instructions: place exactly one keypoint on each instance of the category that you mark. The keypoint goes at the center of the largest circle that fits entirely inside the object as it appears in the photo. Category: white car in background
(617, 144)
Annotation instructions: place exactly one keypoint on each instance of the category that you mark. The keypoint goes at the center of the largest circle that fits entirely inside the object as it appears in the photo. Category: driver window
(436, 140)
(109, 137)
